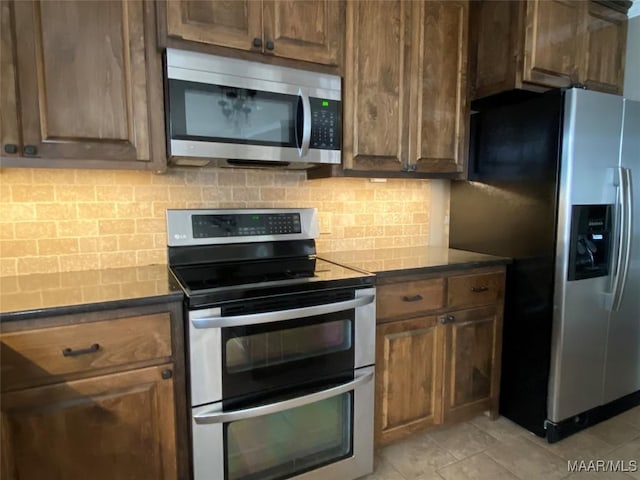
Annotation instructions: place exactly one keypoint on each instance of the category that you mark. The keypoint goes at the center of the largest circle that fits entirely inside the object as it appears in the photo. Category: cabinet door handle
(413, 298)
(68, 352)
(270, 45)
(167, 374)
(446, 319)
(10, 148)
(257, 42)
(30, 150)
(479, 289)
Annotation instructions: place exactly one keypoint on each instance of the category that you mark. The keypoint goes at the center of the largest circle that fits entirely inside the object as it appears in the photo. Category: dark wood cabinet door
(376, 86)
(10, 137)
(233, 23)
(553, 42)
(89, 81)
(472, 363)
(408, 377)
(605, 49)
(439, 106)
(309, 30)
(111, 427)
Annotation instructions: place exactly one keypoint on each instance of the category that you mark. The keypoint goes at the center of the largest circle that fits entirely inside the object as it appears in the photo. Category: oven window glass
(272, 348)
(231, 114)
(283, 444)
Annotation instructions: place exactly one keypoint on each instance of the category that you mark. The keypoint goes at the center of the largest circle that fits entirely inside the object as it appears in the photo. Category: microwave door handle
(303, 149)
(280, 315)
(235, 415)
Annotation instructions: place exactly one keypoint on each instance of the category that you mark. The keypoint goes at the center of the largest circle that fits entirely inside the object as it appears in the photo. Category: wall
(68, 220)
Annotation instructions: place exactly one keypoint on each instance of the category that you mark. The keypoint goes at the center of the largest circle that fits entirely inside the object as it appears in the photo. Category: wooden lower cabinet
(409, 377)
(437, 361)
(114, 426)
(472, 365)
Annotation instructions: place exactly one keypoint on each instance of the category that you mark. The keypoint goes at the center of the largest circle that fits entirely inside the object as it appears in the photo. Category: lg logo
(180, 236)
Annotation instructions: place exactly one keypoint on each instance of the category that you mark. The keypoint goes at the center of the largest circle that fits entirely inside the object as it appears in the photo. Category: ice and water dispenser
(589, 254)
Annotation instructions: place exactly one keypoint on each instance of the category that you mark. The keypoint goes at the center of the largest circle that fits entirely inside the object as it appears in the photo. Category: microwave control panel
(326, 127)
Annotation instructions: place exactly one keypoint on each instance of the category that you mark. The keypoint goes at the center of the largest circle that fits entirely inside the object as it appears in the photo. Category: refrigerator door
(590, 151)
(622, 373)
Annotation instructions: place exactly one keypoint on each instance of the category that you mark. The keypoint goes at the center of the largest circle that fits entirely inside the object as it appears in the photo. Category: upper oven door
(234, 355)
(232, 109)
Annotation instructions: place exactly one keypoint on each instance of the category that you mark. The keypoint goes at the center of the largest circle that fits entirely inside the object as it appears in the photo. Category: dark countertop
(46, 294)
(408, 260)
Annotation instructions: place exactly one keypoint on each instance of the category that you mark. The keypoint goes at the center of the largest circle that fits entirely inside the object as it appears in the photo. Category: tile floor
(482, 449)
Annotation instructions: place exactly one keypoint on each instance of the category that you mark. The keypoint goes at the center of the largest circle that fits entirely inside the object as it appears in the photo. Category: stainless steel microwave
(243, 113)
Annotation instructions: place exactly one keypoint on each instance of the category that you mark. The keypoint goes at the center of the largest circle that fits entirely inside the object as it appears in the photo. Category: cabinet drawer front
(472, 290)
(405, 298)
(29, 357)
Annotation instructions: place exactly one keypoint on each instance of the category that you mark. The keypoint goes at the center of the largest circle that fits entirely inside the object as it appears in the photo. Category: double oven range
(280, 347)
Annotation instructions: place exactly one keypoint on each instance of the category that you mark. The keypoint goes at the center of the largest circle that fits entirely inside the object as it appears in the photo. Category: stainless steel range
(281, 347)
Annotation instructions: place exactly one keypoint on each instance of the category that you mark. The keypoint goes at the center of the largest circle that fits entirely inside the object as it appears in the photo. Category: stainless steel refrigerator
(552, 186)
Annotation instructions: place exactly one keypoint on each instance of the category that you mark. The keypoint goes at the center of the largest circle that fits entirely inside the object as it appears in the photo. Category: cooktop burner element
(224, 255)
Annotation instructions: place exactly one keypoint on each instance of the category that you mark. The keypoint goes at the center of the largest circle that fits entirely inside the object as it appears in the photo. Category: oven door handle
(278, 316)
(232, 416)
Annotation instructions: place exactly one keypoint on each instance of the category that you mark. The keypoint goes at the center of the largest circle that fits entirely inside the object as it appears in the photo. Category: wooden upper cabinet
(311, 31)
(440, 93)
(553, 42)
(306, 30)
(115, 426)
(10, 135)
(90, 84)
(541, 44)
(376, 86)
(233, 23)
(603, 68)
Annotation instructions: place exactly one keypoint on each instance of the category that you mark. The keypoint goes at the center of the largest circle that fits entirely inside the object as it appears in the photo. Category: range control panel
(245, 224)
(325, 124)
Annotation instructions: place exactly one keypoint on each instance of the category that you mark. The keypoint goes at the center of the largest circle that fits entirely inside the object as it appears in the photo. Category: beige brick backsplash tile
(134, 209)
(272, 193)
(75, 193)
(97, 210)
(8, 266)
(56, 211)
(363, 219)
(27, 265)
(259, 178)
(364, 195)
(57, 246)
(16, 175)
(18, 248)
(230, 205)
(159, 240)
(131, 177)
(9, 285)
(289, 178)
(392, 230)
(17, 211)
(182, 193)
(117, 259)
(411, 229)
(62, 296)
(151, 257)
(96, 177)
(150, 225)
(384, 242)
(217, 194)
(421, 217)
(7, 231)
(245, 194)
(354, 232)
(32, 193)
(232, 178)
(114, 193)
(53, 176)
(200, 176)
(110, 227)
(374, 230)
(5, 192)
(34, 230)
(321, 194)
(150, 193)
(108, 243)
(296, 194)
(402, 241)
(344, 219)
(141, 241)
(171, 177)
(159, 209)
(88, 245)
(84, 261)
(77, 228)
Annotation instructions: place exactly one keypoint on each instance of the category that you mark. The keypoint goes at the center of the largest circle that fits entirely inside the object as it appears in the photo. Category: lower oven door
(315, 436)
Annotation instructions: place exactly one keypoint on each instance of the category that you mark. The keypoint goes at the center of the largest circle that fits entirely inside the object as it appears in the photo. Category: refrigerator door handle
(626, 230)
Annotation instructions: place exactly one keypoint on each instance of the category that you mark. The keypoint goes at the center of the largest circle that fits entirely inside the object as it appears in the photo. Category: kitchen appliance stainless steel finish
(555, 191)
(247, 113)
(281, 347)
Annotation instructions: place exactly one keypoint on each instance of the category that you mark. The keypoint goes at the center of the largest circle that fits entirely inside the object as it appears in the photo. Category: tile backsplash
(55, 220)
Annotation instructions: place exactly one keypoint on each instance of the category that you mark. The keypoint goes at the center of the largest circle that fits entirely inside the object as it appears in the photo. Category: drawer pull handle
(68, 352)
(414, 298)
(479, 289)
(444, 319)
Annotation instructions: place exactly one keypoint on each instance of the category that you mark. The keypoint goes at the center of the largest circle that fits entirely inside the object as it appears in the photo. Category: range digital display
(245, 224)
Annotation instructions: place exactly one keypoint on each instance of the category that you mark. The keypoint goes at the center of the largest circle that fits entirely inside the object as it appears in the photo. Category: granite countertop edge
(443, 268)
